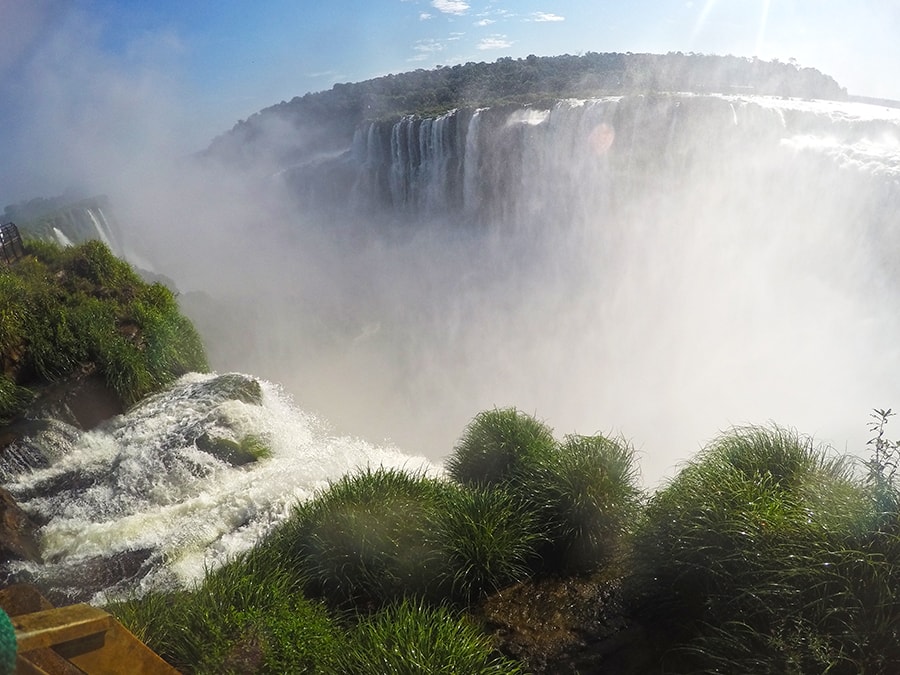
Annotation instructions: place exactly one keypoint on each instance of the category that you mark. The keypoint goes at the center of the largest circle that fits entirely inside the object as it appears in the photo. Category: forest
(332, 115)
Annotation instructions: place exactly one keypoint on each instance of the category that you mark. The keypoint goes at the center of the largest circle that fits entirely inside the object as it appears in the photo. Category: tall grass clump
(365, 540)
(485, 539)
(500, 446)
(593, 499)
(416, 639)
(755, 559)
(248, 616)
(582, 494)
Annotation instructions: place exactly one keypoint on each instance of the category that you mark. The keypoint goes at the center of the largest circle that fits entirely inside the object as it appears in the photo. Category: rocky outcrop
(83, 400)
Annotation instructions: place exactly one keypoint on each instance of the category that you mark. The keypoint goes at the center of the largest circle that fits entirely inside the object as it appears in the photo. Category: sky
(84, 83)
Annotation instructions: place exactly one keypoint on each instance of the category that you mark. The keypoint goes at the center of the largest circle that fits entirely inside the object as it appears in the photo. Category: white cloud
(494, 42)
(484, 22)
(450, 6)
(425, 49)
(424, 16)
(542, 17)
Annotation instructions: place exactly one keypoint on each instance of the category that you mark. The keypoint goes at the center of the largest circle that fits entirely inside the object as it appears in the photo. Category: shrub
(486, 540)
(365, 542)
(63, 308)
(94, 262)
(500, 446)
(761, 540)
(593, 499)
(881, 466)
(412, 638)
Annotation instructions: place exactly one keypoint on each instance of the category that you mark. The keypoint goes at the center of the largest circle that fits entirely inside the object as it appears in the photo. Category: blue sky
(86, 83)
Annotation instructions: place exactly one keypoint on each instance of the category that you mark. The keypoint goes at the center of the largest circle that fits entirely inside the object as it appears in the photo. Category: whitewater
(138, 483)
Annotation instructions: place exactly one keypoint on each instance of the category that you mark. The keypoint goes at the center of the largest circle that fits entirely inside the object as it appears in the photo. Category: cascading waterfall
(141, 484)
(470, 164)
(694, 260)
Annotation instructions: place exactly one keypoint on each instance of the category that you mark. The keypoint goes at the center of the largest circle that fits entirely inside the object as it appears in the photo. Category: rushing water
(139, 483)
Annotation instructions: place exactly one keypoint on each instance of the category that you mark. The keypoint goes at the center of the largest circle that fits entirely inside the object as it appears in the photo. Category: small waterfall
(471, 167)
(61, 238)
(143, 483)
(99, 228)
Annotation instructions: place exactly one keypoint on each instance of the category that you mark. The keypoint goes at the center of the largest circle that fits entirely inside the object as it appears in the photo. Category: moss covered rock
(250, 448)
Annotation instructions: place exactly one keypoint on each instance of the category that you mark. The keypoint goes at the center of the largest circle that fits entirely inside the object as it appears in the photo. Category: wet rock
(227, 450)
(237, 387)
(562, 626)
(83, 400)
(18, 532)
(71, 582)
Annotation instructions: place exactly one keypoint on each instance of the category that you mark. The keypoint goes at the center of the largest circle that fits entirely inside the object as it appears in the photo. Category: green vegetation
(501, 447)
(365, 540)
(765, 555)
(416, 638)
(486, 539)
(249, 616)
(329, 118)
(77, 309)
(582, 493)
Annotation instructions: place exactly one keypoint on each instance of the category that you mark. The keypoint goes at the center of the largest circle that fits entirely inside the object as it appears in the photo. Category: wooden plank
(122, 652)
(87, 638)
(62, 624)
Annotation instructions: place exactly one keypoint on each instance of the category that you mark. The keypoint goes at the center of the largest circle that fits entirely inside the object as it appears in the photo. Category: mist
(663, 288)
(742, 284)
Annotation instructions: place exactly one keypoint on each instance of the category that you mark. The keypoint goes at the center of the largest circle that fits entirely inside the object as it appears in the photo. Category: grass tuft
(486, 540)
(248, 616)
(498, 446)
(766, 539)
(413, 638)
(365, 541)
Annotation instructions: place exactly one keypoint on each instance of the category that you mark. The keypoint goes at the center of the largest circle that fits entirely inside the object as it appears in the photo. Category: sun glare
(760, 34)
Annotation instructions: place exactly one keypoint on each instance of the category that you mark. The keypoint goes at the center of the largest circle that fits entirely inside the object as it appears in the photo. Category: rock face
(83, 400)
(18, 533)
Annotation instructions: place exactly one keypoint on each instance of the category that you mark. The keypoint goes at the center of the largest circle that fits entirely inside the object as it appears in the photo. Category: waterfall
(619, 260)
(471, 168)
(141, 482)
(99, 228)
(61, 238)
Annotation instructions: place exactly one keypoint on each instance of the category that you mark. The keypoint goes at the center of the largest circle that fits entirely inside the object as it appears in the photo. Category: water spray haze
(660, 268)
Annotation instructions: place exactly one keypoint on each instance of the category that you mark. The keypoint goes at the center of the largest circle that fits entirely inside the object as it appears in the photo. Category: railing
(54, 640)
(10, 244)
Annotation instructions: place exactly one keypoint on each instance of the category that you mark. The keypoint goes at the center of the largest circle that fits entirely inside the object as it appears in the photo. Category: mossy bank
(66, 312)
